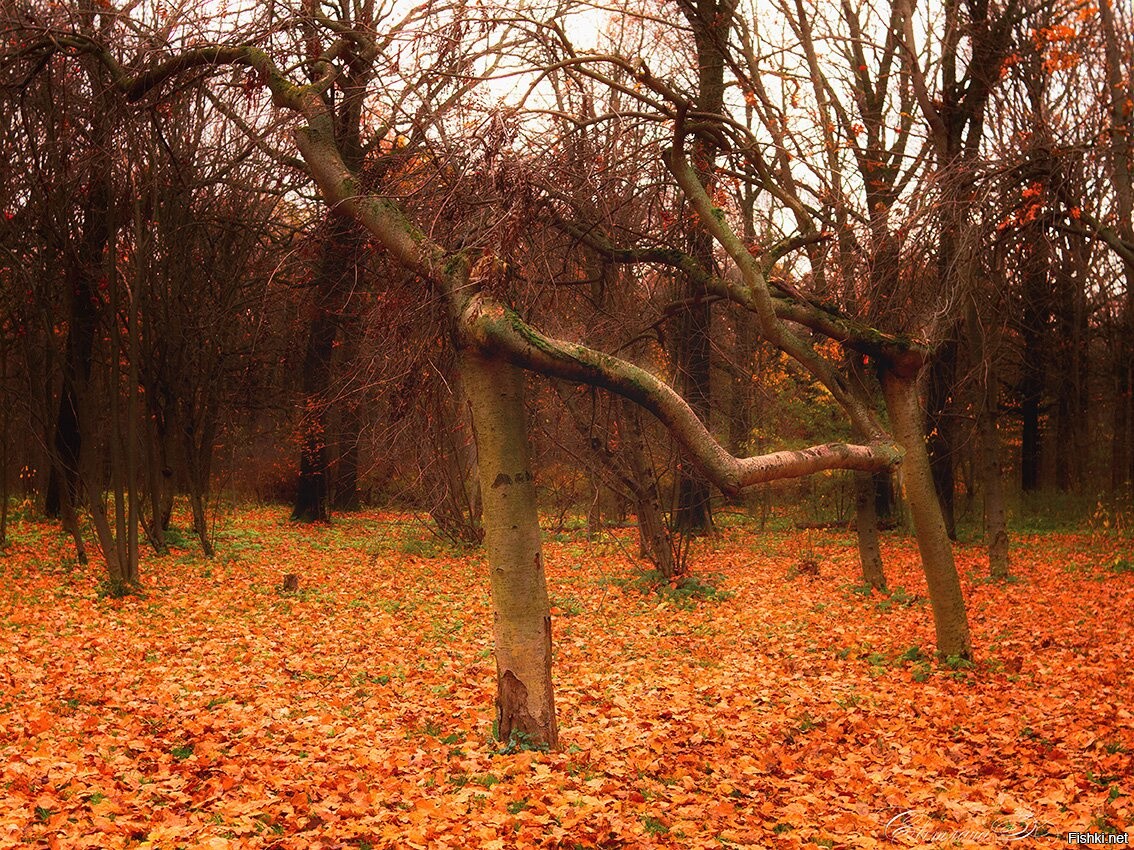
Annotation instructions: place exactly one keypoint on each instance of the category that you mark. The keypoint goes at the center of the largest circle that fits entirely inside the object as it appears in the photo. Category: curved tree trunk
(525, 707)
(949, 617)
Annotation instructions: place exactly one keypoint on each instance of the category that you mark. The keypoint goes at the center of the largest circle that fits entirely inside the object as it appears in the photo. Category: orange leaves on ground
(218, 711)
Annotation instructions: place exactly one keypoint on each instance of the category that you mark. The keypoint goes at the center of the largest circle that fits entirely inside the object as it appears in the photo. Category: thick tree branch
(905, 357)
(496, 330)
(763, 305)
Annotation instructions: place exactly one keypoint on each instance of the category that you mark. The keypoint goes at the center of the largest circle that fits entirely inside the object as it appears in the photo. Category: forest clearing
(678, 423)
(214, 709)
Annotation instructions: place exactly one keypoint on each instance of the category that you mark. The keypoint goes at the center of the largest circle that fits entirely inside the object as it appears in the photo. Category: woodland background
(181, 315)
(263, 266)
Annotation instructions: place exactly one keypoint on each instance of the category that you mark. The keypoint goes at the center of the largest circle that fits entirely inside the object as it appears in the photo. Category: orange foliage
(218, 711)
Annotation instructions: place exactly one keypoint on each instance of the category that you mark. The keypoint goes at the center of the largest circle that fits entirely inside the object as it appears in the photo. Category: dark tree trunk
(594, 505)
(333, 287)
(199, 453)
(1069, 344)
(693, 514)
(64, 487)
(5, 435)
(655, 539)
(885, 499)
(710, 21)
(1120, 86)
(942, 382)
(1122, 439)
(987, 411)
(345, 495)
(866, 518)
(311, 491)
(1033, 378)
(346, 476)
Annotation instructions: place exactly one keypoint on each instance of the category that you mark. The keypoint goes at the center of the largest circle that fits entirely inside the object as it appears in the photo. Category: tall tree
(1118, 36)
(711, 23)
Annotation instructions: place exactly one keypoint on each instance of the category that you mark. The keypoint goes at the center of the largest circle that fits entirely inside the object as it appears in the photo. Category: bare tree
(467, 276)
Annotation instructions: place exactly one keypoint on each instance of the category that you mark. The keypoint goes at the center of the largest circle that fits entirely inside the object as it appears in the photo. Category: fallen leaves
(220, 711)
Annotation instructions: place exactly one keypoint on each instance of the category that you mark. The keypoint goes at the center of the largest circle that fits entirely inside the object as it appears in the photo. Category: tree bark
(866, 518)
(949, 617)
(311, 488)
(344, 492)
(991, 475)
(942, 382)
(1120, 86)
(525, 707)
(1034, 331)
(334, 282)
(710, 22)
(655, 538)
(865, 507)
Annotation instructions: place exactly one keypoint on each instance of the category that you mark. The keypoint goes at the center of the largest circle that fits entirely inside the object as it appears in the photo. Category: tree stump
(290, 583)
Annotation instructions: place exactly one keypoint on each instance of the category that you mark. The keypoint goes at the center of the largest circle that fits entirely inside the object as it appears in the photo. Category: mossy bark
(525, 708)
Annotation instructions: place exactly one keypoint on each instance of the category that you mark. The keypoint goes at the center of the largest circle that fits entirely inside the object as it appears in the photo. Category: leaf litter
(216, 710)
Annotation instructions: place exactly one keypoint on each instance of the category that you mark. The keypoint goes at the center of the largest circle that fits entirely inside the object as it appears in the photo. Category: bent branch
(901, 355)
(496, 330)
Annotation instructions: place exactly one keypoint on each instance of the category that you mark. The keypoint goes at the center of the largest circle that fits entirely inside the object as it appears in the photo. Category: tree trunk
(199, 444)
(1031, 398)
(153, 526)
(655, 538)
(694, 506)
(4, 436)
(949, 617)
(456, 508)
(865, 507)
(942, 382)
(742, 401)
(334, 282)
(311, 489)
(525, 708)
(1120, 86)
(197, 504)
(594, 506)
(995, 528)
(885, 501)
(866, 518)
(345, 495)
(710, 22)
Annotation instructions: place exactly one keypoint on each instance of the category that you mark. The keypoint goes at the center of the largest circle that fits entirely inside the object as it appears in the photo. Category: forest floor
(215, 710)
